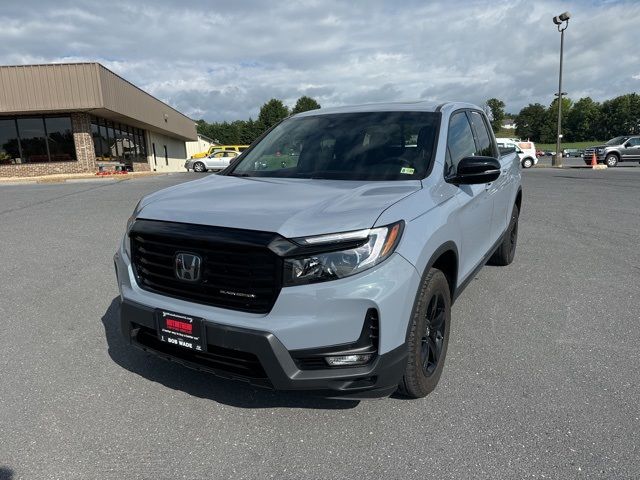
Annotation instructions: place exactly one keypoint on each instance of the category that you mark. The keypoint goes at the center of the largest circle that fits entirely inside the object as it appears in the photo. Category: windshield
(346, 146)
(616, 141)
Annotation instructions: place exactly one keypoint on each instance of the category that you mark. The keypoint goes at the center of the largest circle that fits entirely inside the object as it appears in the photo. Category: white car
(526, 150)
(218, 160)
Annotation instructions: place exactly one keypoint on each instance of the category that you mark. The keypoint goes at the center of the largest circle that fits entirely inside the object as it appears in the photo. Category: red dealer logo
(178, 326)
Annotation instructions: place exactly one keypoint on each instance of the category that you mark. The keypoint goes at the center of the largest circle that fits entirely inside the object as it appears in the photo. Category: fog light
(344, 360)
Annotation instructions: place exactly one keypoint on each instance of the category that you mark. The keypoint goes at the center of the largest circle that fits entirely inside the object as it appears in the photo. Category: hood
(290, 207)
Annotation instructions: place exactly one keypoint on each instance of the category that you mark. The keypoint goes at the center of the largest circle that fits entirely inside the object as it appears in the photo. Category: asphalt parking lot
(542, 377)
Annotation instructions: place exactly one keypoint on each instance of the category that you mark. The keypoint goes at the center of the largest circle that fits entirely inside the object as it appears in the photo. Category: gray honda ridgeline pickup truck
(325, 258)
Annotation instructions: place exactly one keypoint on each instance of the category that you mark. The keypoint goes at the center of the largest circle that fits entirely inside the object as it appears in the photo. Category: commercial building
(79, 117)
(201, 145)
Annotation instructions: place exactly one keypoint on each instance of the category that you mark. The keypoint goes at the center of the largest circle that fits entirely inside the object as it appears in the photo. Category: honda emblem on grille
(188, 266)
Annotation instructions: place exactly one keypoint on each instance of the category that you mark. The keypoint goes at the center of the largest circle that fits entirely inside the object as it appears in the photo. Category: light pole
(562, 21)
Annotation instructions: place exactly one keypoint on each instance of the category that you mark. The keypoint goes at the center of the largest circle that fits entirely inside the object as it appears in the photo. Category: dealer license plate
(181, 330)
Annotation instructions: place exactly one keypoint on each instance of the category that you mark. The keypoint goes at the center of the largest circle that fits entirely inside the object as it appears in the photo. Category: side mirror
(476, 170)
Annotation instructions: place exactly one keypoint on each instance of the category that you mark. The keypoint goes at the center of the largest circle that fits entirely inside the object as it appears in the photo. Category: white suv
(526, 150)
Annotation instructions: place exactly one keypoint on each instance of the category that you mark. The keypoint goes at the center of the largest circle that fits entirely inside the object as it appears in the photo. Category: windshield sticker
(407, 170)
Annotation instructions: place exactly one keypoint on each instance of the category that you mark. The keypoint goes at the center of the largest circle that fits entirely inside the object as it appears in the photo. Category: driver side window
(460, 142)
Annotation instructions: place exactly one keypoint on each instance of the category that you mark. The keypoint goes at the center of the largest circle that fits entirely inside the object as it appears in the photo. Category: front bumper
(322, 316)
(261, 359)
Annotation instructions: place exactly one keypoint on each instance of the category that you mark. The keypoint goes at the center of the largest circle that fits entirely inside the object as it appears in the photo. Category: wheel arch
(445, 259)
(519, 200)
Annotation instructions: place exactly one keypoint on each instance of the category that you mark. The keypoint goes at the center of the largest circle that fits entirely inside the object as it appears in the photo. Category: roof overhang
(87, 87)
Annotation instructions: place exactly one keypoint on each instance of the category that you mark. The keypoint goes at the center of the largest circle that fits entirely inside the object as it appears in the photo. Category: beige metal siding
(41, 88)
(176, 153)
(125, 98)
(28, 89)
(201, 145)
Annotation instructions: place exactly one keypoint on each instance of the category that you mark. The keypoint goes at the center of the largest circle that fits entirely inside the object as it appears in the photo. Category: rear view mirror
(476, 170)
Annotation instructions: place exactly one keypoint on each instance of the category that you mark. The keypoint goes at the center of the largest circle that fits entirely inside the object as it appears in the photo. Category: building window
(101, 140)
(60, 139)
(118, 142)
(9, 142)
(36, 140)
(33, 139)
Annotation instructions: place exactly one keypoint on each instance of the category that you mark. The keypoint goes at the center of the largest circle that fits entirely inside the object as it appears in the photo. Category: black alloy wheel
(427, 336)
(506, 251)
(433, 336)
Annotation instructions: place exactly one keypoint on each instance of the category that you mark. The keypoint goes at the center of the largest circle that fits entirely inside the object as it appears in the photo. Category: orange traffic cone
(594, 163)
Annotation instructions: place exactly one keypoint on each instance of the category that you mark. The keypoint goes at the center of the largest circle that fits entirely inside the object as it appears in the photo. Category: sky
(221, 60)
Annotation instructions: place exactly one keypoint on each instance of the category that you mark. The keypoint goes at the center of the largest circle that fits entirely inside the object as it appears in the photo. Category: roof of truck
(411, 106)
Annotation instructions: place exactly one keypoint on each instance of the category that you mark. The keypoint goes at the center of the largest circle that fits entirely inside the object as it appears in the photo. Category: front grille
(238, 270)
(217, 359)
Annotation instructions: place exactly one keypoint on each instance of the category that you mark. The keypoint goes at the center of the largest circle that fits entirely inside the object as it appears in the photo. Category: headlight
(377, 245)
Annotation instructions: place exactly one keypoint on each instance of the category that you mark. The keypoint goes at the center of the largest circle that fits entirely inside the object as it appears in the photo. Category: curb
(87, 179)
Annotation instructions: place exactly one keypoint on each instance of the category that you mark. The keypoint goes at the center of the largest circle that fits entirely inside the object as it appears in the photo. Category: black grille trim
(239, 272)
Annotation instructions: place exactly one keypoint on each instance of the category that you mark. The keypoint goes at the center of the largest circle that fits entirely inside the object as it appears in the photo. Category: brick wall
(141, 167)
(85, 154)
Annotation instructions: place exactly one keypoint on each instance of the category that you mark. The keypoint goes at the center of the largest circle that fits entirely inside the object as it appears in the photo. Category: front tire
(506, 252)
(527, 163)
(428, 336)
(611, 160)
(199, 167)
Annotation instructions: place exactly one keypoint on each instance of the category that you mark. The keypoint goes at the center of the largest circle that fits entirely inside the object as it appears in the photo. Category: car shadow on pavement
(201, 384)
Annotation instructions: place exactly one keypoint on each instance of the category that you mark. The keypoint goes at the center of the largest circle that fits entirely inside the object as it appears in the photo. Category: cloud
(223, 60)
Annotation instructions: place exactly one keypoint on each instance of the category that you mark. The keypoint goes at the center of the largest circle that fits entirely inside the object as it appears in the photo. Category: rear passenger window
(460, 142)
(483, 140)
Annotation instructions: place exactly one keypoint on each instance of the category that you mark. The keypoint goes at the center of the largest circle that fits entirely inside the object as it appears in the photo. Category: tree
(272, 112)
(620, 116)
(583, 121)
(530, 121)
(549, 132)
(305, 104)
(497, 113)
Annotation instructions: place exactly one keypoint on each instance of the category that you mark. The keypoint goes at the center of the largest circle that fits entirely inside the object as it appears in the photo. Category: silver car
(332, 270)
(218, 160)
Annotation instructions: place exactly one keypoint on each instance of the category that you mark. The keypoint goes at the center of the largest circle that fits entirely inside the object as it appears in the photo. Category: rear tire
(611, 160)
(527, 163)
(506, 252)
(428, 336)
(199, 167)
